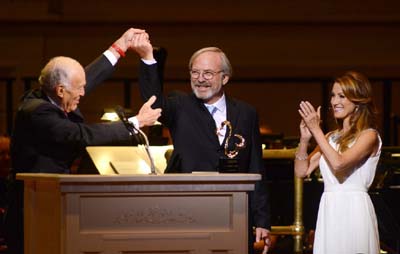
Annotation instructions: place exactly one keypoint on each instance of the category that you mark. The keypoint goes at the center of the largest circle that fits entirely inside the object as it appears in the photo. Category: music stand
(110, 160)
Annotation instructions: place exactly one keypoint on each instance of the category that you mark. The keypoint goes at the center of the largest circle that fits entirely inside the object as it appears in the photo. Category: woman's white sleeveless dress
(346, 221)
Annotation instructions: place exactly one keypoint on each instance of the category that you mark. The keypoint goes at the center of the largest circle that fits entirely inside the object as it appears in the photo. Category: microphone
(129, 126)
(139, 134)
(121, 115)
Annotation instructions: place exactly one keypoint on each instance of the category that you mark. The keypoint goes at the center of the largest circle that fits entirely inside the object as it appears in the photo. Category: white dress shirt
(219, 116)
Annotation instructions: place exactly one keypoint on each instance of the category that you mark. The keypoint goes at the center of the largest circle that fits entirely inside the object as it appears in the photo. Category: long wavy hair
(357, 88)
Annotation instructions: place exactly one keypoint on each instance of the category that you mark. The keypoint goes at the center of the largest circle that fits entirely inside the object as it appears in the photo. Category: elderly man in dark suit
(194, 118)
(49, 132)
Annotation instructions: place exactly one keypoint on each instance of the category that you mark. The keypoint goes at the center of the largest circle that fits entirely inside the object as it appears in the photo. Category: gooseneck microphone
(138, 133)
(129, 126)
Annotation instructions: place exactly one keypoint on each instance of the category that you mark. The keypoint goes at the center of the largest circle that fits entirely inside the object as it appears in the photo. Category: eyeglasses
(207, 75)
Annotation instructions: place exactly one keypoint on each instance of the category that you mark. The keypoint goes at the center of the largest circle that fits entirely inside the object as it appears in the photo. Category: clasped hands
(311, 118)
(137, 40)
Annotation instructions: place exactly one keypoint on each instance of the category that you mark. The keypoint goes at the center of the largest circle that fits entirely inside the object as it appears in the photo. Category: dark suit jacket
(45, 140)
(196, 145)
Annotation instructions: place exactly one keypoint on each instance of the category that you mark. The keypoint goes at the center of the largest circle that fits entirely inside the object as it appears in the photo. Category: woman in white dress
(347, 158)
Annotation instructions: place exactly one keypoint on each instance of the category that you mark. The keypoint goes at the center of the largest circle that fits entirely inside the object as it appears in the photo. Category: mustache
(196, 83)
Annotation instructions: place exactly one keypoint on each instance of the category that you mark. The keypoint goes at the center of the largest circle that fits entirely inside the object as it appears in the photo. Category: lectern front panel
(160, 213)
(174, 222)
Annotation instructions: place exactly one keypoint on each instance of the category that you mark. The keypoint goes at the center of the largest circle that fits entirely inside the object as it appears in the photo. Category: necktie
(212, 109)
(220, 132)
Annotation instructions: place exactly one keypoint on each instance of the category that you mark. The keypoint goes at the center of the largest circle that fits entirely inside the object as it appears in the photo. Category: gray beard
(207, 96)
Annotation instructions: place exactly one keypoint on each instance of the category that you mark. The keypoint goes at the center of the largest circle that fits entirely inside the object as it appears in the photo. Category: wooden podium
(136, 214)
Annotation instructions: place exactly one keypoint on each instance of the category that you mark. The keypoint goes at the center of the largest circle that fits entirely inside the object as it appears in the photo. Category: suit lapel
(204, 118)
(232, 112)
(232, 115)
(74, 116)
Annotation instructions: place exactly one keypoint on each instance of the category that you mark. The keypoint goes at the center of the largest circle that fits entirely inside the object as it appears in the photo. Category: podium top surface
(209, 182)
(194, 177)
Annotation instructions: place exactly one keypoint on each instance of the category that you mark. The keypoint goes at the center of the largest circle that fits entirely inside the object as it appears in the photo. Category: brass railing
(297, 229)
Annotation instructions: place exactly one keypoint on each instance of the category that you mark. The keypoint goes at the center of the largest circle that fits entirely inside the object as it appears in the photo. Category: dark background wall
(282, 51)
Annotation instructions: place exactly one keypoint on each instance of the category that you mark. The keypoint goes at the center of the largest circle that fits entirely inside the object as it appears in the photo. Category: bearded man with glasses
(193, 119)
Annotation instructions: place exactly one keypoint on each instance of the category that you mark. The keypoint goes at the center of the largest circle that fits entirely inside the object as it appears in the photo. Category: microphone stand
(133, 131)
(147, 148)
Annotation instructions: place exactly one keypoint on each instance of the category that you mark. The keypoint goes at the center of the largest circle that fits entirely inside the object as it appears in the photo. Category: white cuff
(111, 57)
(149, 62)
(133, 120)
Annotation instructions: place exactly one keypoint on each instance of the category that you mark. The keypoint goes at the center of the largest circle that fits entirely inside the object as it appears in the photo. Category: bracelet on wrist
(301, 157)
(118, 49)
